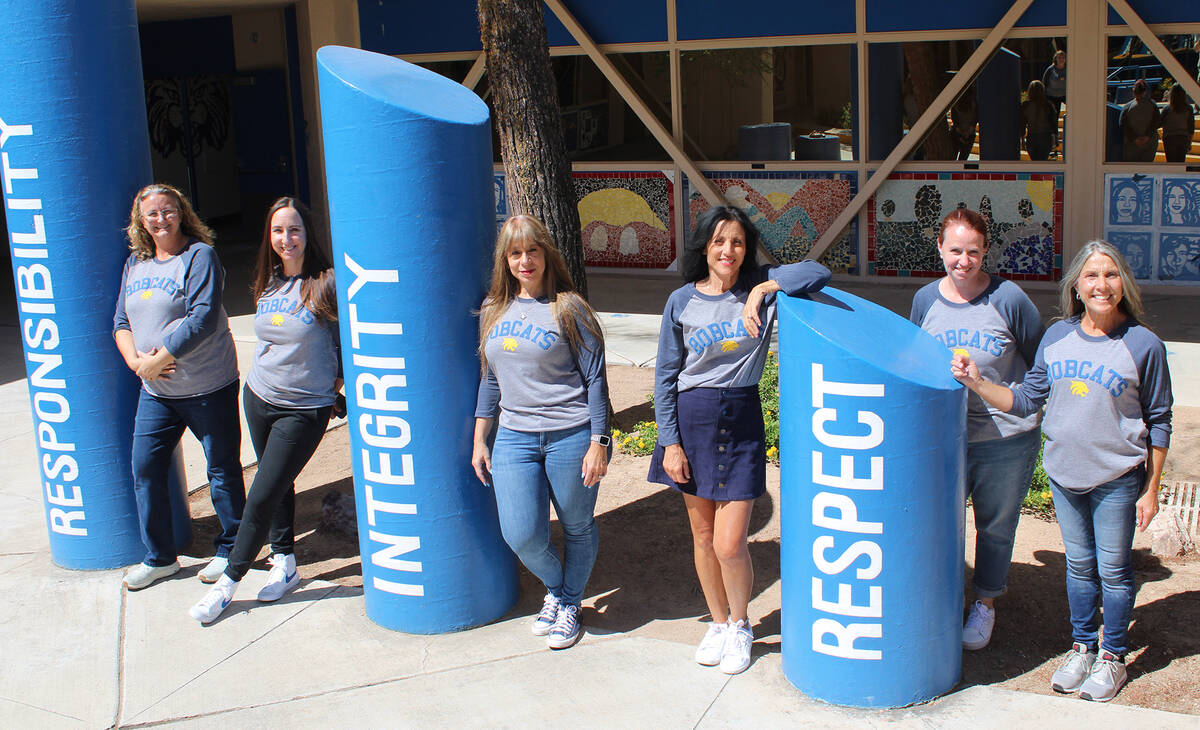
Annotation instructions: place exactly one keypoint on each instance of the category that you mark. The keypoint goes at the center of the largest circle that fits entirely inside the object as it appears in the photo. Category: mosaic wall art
(1155, 221)
(626, 218)
(791, 210)
(1023, 211)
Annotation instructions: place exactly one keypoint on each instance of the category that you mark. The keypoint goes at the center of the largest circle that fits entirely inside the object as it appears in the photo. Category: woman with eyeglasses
(170, 327)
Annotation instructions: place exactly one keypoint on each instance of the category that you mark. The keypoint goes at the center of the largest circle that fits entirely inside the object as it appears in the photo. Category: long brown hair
(566, 306)
(318, 293)
(190, 225)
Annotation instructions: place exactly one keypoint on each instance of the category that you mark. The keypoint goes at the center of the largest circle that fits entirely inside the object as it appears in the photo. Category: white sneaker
(977, 631)
(712, 646)
(214, 570)
(1076, 666)
(282, 578)
(1105, 680)
(141, 575)
(215, 601)
(735, 657)
(565, 631)
(545, 618)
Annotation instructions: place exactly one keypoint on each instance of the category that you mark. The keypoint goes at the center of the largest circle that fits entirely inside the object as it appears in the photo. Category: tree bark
(525, 102)
(928, 79)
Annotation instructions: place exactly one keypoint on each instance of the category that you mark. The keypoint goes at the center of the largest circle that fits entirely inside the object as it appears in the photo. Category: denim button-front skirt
(721, 431)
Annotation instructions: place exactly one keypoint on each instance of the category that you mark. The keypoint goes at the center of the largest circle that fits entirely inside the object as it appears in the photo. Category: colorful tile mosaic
(791, 210)
(1155, 222)
(1023, 211)
(627, 219)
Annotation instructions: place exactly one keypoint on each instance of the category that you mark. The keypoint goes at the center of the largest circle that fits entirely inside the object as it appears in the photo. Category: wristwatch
(602, 439)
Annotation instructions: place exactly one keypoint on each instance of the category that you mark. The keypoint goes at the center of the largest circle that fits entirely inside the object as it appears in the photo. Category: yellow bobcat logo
(277, 320)
(146, 294)
(509, 344)
(1079, 388)
(728, 346)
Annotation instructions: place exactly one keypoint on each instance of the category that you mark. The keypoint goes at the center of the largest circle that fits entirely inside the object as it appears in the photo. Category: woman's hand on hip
(481, 460)
(675, 464)
(595, 464)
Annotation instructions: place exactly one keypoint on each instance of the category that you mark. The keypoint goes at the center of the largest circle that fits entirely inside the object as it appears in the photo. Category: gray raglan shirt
(176, 304)
(1107, 397)
(1000, 330)
(534, 381)
(702, 342)
(295, 360)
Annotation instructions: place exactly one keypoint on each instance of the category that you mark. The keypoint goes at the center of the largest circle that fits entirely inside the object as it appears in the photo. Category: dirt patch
(644, 581)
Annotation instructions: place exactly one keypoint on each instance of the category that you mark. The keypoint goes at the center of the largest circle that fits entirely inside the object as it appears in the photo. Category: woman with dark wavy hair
(711, 350)
(289, 395)
(170, 327)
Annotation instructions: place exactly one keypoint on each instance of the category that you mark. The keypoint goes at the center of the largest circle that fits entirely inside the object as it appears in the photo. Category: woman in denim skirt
(711, 350)
(1104, 381)
(542, 354)
(994, 323)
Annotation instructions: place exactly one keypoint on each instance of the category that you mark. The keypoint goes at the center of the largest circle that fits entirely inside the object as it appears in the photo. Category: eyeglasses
(164, 214)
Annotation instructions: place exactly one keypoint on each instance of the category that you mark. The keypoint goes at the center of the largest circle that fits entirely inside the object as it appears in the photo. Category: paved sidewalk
(79, 651)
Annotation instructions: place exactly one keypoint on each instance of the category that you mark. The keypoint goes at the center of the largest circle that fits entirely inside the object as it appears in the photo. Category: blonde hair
(1131, 296)
(566, 306)
(190, 225)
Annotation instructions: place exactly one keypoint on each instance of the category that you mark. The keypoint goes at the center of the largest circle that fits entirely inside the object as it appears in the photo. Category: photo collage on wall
(1155, 221)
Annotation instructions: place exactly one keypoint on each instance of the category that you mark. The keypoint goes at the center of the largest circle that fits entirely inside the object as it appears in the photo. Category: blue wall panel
(397, 26)
(1161, 11)
(886, 15)
(699, 19)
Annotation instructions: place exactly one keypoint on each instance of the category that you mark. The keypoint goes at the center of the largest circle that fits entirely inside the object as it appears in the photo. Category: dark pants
(1039, 145)
(284, 440)
(1176, 147)
(157, 428)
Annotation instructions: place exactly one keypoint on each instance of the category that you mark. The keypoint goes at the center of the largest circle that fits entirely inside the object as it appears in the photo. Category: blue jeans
(998, 476)
(157, 428)
(530, 471)
(1097, 531)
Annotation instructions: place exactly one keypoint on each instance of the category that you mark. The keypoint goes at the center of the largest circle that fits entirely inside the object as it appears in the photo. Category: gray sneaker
(142, 575)
(1105, 680)
(1075, 668)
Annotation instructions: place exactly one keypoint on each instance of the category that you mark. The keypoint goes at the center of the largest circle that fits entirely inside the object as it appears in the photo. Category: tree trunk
(928, 78)
(525, 101)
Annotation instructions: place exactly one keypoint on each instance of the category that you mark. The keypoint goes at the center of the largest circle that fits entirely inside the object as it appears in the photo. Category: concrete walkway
(79, 651)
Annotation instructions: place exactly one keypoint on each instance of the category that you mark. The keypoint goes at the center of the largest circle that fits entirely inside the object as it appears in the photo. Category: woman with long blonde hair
(543, 379)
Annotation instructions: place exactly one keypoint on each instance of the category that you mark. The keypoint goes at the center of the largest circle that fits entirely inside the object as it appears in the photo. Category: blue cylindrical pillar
(408, 163)
(872, 440)
(75, 150)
